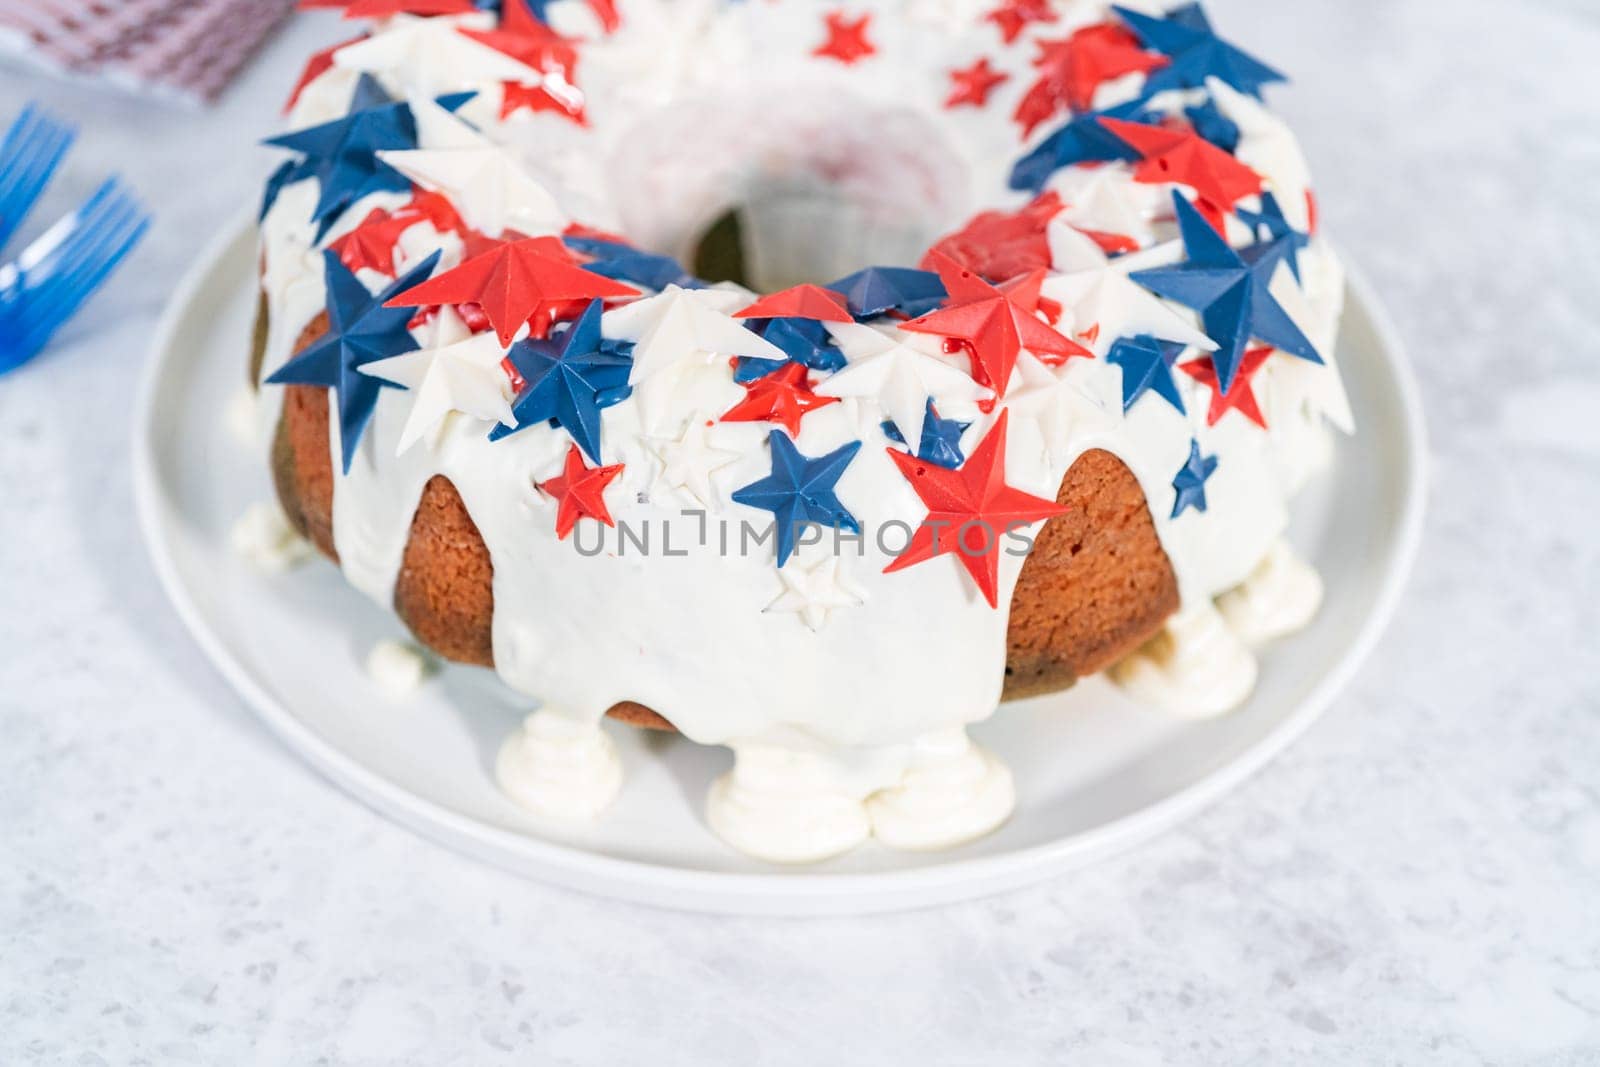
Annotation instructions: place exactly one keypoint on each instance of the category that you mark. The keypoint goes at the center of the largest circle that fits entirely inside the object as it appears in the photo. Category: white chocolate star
(678, 321)
(460, 372)
(688, 462)
(1105, 303)
(488, 187)
(888, 366)
(431, 57)
(1108, 199)
(1268, 147)
(678, 332)
(1318, 386)
(1085, 395)
(813, 592)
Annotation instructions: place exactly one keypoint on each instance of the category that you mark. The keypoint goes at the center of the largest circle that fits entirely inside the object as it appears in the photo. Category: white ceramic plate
(1095, 772)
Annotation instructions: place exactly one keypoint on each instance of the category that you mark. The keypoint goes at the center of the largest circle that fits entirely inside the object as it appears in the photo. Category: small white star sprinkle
(814, 592)
(688, 462)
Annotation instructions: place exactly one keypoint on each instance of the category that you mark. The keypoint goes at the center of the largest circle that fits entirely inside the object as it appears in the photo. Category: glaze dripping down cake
(805, 380)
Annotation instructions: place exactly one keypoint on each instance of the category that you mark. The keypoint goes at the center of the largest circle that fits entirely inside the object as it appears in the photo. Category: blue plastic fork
(63, 267)
(29, 154)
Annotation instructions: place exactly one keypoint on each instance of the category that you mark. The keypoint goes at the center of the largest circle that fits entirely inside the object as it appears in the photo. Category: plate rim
(782, 892)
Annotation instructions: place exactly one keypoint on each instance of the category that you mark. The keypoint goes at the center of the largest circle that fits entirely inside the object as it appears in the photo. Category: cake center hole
(817, 222)
(719, 255)
(784, 187)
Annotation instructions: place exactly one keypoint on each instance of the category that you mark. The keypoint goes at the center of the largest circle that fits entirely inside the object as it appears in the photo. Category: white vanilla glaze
(397, 668)
(263, 538)
(241, 417)
(1196, 667)
(794, 803)
(560, 767)
(849, 727)
(1280, 597)
(952, 791)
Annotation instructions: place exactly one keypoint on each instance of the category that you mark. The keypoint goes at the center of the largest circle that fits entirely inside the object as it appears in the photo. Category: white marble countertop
(1416, 881)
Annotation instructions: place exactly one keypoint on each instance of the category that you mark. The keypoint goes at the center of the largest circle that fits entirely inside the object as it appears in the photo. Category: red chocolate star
(475, 243)
(578, 229)
(782, 397)
(567, 100)
(1024, 291)
(533, 44)
(1070, 71)
(371, 245)
(971, 86)
(1112, 244)
(1013, 16)
(606, 12)
(437, 209)
(579, 491)
(800, 302)
(530, 281)
(995, 324)
(1241, 395)
(847, 39)
(382, 9)
(1171, 155)
(518, 20)
(1004, 244)
(970, 510)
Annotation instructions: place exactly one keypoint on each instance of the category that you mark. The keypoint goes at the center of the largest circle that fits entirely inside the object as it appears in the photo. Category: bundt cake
(832, 525)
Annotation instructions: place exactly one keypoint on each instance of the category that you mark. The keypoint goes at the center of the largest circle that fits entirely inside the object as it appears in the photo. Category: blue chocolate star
(806, 342)
(799, 491)
(941, 439)
(1190, 481)
(1210, 123)
(1196, 52)
(343, 154)
(626, 263)
(1146, 364)
(360, 331)
(1271, 219)
(1230, 289)
(569, 377)
(538, 8)
(1080, 140)
(289, 172)
(875, 290)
